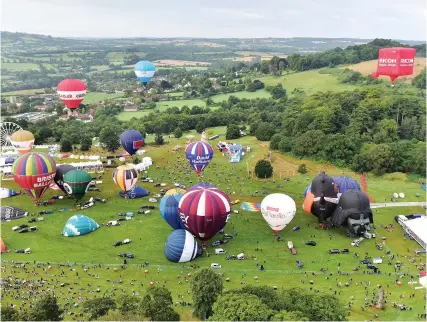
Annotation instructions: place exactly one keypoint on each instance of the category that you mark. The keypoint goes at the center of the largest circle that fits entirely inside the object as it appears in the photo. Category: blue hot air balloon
(131, 141)
(144, 71)
(79, 225)
(169, 210)
(135, 192)
(181, 247)
(199, 154)
(346, 183)
(201, 185)
(307, 190)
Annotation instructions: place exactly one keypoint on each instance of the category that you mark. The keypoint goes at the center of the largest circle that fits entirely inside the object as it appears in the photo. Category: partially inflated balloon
(61, 170)
(22, 140)
(169, 210)
(131, 141)
(34, 172)
(76, 183)
(181, 247)
(144, 71)
(175, 192)
(71, 92)
(278, 210)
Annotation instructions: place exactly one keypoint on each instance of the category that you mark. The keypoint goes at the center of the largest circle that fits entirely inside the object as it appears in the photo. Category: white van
(113, 223)
(219, 251)
(28, 251)
(215, 265)
(241, 256)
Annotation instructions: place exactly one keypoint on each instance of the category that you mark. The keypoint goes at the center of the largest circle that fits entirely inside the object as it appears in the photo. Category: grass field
(100, 67)
(93, 97)
(149, 233)
(368, 67)
(17, 67)
(24, 92)
(310, 81)
(180, 103)
(126, 116)
(243, 94)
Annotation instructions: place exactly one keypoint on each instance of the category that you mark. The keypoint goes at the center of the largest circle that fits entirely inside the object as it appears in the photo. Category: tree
(66, 146)
(199, 127)
(98, 307)
(420, 80)
(263, 169)
(233, 132)
(46, 309)
(157, 305)
(9, 314)
(275, 140)
(240, 307)
(266, 294)
(264, 131)
(206, 286)
(43, 134)
(85, 143)
(128, 304)
(177, 132)
(278, 91)
(159, 140)
(289, 316)
(302, 168)
(109, 136)
(281, 67)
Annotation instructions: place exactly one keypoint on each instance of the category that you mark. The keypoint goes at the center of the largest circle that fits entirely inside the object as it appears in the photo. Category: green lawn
(149, 233)
(93, 97)
(126, 116)
(243, 94)
(190, 103)
(176, 94)
(16, 67)
(310, 81)
(24, 92)
(100, 67)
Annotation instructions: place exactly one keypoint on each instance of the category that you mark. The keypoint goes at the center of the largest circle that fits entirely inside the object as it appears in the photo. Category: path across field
(398, 204)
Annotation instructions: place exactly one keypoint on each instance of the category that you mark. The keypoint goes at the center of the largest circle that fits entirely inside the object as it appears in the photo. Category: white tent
(6, 173)
(90, 166)
(417, 229)
(145, 164)
(423, 281)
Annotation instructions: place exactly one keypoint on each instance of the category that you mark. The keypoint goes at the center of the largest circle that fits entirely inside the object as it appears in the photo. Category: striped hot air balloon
(22, 140)
(181, 247)
(199, 154)
(144, 71)
(169, 210)
(34, 172)
(125, 177)
(204, 211)
(71, 92)
(175, 191)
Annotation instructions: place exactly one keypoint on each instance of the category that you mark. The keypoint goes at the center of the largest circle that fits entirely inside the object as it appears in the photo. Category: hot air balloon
(169, 210)
(322, 198)
(174, 191)
(144, 71)
(353, 211)
(202, 185)
(34, 172)
(181, 247)
(395, 62)
(125, 177)
(3, 245)
(61, 170)
(278, 210)
(22, 140)
(199, 154)
(76, 183)
(204, 211)
(78, 225)
(131, 141)
(71, 92)
(345, 183)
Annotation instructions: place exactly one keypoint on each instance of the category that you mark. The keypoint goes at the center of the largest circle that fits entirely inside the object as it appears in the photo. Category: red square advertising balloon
(395, 62)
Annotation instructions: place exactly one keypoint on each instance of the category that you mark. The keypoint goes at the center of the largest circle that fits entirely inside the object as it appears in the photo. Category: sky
(392, 19)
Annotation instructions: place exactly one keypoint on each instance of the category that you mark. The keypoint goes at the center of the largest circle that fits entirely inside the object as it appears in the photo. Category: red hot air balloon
(395, 62)
(71, 92)
(204, 211)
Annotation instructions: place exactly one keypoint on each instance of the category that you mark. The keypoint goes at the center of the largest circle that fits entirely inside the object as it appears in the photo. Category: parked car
(216, 243)
(128, 255)
(296, 228)
(345, 251)
(117, 243)
(231, 257)
(215, 265)
(334, 251)
(228, 236)
(127, 241)
(366, 261)
(293, 251)
(219, 251)
(310, 243)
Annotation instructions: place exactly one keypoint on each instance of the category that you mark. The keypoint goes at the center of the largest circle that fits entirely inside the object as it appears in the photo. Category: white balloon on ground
(278, 210)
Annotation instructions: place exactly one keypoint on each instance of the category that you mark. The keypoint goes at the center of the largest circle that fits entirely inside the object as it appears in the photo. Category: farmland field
(173, 62)
(24, 92)
(16, 67)
(92, 97)
(149, 233)
(190, 103)
(125, 116)
(367, 67)
(243, 94)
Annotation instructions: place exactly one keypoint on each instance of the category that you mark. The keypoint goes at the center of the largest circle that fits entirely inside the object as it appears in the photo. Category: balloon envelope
(79, 225)
(144, 71)
(175, 191)
(72, 92)
(135, 192)
(278, 210)
(169, 210)
(395, 62)
(204, 211)
(22, 141)
(34, 172)
(131, 141)
(76, 183)
(199, 154)
(346, 183)
(61, 170)
(125, 177)
(181, 247)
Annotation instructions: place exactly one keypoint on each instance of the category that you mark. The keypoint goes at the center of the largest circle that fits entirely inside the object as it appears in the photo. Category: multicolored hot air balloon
(199, 154)
(72, 92)
(131, 141)
(204, 211)
(175, 191)
(61, 170)
(278, 210)
(34, 172)
(125, 177)
(76, 183)
(22, 140)
(181, 247)
(169, 210)
(395, 62)
(144, 71)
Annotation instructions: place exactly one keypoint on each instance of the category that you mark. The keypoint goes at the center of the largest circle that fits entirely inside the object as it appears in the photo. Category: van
(113, 223)
(367, 235)
(215, 265)
(28, 251)
(219, 251)
(241, 256)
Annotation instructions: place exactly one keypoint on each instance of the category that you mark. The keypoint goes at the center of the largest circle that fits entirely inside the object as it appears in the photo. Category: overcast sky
(396, 19)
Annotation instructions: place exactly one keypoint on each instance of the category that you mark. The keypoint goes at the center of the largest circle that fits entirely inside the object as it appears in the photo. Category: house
(216, 86)
(130, 108)
(41, 107)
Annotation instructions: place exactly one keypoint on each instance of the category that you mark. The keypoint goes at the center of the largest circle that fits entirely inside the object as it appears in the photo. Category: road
(398, 204)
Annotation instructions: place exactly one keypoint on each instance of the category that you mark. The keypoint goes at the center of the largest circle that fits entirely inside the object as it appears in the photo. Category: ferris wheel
(6, 130)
